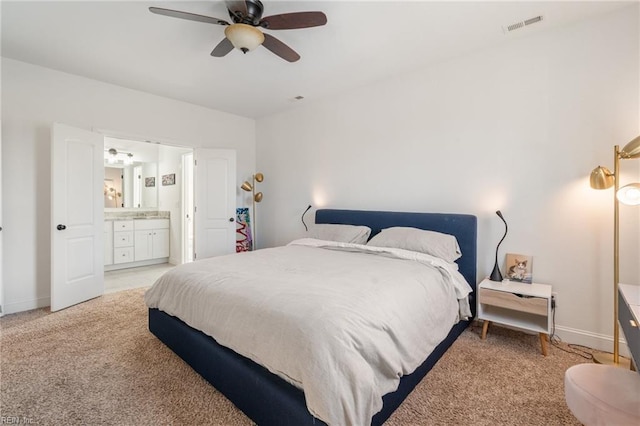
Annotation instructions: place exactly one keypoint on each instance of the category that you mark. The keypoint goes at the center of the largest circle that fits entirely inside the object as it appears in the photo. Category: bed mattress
(343, 322)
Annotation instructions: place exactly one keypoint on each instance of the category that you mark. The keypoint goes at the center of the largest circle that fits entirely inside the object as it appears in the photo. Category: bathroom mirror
(130, 174)
(131, 186)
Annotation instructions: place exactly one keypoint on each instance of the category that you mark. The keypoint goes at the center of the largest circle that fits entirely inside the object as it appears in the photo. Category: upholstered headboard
(463, 226)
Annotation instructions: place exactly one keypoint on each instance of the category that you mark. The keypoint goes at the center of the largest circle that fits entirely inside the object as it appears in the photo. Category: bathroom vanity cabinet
(136, 242)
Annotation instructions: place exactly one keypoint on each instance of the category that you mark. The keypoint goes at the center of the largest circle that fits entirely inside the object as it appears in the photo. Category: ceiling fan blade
(187, 16)
(279, 48)
(291, 21)
(222, 48)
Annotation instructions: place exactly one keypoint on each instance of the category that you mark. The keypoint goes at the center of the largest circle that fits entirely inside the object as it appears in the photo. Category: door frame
(178, 144)
(2, 308)
(188, 188)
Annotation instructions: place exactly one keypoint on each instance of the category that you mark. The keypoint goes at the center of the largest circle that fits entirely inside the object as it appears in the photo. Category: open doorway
(146, 228)
(149, 234)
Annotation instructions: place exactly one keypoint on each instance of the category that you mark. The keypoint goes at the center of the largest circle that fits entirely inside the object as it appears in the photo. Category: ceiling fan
(244, 34)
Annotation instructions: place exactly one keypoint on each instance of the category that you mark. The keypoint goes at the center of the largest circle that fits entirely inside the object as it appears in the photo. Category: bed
(269, 399)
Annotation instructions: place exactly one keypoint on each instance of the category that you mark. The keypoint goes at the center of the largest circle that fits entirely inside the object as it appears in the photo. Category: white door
(77, 226)
(108, 242)
(137, 186)
(215, 202)
(1, 288)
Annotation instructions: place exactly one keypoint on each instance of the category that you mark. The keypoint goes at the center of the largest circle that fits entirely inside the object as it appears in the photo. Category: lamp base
(605, 358)
(496, 275)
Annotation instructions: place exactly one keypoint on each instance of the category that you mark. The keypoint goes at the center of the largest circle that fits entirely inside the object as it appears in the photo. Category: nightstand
(524, 306)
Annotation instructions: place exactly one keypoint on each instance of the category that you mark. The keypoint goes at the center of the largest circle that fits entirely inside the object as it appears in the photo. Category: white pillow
(340, 233)
(444, 246)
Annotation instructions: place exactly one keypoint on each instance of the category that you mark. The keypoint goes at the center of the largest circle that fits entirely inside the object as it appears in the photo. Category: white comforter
(341, 321)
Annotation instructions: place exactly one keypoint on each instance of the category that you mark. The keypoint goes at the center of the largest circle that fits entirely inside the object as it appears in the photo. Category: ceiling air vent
(517, 25)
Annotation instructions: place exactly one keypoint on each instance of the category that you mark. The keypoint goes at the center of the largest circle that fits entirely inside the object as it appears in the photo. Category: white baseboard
(596, 341)
(599, 342)
(26, 305)
(127, 265)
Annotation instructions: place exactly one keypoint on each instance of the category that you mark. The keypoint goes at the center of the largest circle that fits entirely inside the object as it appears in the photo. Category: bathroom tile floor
(125, 279)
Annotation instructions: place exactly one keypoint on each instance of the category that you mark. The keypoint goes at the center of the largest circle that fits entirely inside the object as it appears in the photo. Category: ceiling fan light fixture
(244, 37)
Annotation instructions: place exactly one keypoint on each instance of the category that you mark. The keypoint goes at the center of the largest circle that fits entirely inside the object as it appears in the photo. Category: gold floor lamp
(256, 197)
(602, 178)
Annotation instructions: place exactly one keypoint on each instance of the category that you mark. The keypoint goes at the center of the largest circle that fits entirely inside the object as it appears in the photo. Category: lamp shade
(629, 194)
(632, 149)
(259, 177)
(601, 178)
(244, 37)
(258, 197)
(247, 186)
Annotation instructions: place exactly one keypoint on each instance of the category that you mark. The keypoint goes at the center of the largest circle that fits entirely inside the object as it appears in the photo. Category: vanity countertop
(136, 215)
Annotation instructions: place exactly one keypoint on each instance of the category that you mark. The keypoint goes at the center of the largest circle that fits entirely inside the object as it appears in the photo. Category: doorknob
(61, 227)
(231, 219)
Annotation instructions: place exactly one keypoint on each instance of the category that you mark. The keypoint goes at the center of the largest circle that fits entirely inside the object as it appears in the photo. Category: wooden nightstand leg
(543, 343)
(485, 327)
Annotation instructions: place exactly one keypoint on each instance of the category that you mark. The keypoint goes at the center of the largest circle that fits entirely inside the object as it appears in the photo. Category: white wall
(32, 99)
(518, 128)
(149, 194)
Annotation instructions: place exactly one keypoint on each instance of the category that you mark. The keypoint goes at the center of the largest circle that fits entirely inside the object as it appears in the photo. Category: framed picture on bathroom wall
(150, 181)
(519, 267)
(169, 179)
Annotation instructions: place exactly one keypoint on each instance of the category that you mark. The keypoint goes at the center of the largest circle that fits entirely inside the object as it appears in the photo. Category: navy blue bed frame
(266, 398)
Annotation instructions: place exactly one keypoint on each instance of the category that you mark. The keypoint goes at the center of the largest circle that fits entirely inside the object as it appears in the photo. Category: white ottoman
(603, 395)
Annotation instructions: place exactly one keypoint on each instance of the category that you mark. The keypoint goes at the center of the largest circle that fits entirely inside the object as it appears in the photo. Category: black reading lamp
(305, 212)
(496, 275)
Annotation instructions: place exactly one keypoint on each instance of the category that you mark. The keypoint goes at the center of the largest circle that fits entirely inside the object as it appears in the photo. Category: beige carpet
(97, 363)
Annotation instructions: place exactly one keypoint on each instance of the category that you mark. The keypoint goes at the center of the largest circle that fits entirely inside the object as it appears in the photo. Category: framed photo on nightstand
(519, 267)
